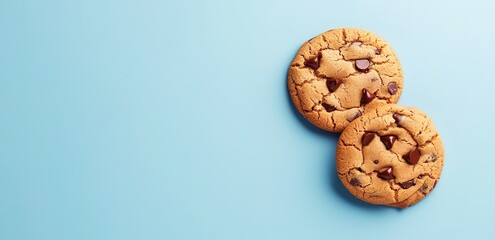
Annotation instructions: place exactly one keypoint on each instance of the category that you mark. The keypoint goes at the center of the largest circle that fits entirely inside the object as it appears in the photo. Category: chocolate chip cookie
(392, 156)
(341, 74)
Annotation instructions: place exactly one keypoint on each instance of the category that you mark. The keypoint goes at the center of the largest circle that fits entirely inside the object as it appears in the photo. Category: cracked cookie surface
(391, 156)
(341, 74)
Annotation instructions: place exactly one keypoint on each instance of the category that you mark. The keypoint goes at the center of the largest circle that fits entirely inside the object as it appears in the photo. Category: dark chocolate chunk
(392, 88)
(386, 174)
(376, 161)
(431, 158)
(412, 157)
(388, 141)
(367, 137)
(398, 118)
(358, 114)
(313, 63)
(423, 188)
(328, 107)
(362, 65)
(407, 184)
(355, 182)
(434, 184)
(332, 85)
(366, 96)
(378, 51)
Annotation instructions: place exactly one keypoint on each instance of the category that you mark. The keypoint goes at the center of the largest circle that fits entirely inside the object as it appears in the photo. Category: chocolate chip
(392, 88)
(376, 161)
(328, 107)
(332, 85)
(366, 96)
(434, 184)
(398, 118)
(351, 118)
(412, 157)
(313, 63)
(423, 188)
(388, 140)
(355, 182)
(362, 65)
(431, 158)
(407, 184)
(386, 174)
(378, 51)
(367, 137)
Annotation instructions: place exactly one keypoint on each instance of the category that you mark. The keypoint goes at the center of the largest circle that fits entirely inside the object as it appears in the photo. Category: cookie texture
(341, 74)
(391, 156)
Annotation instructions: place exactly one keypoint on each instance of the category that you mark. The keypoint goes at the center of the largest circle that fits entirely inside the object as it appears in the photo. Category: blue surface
(171, 120)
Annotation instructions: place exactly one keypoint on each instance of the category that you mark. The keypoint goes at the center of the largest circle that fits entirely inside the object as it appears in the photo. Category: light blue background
(171, 120)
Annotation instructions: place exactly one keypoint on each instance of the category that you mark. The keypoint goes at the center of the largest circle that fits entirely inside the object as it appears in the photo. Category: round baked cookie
(341, 74)
(391, 156)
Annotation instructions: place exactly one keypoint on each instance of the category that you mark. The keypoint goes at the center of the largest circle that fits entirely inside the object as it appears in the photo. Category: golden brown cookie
(392, 156)
(341, 74)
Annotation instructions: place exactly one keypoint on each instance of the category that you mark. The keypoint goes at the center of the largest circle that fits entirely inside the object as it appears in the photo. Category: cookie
(391, 156)
(341, 74)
